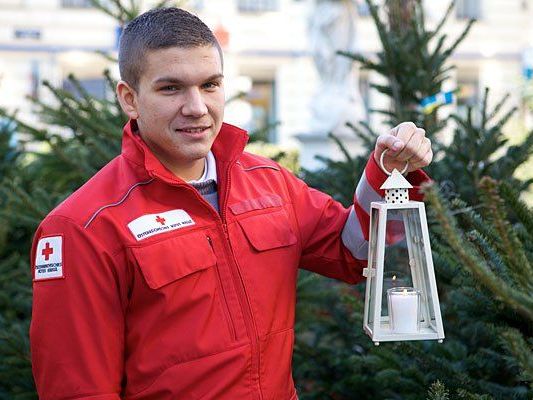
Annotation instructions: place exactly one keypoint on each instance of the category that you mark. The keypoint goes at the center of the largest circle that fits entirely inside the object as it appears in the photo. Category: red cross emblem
(160, 220)
(47, 251)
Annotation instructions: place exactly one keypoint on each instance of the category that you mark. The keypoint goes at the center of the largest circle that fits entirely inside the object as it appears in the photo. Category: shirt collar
(210, 170)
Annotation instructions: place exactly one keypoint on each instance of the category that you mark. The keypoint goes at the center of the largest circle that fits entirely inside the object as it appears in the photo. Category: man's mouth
(193, 129)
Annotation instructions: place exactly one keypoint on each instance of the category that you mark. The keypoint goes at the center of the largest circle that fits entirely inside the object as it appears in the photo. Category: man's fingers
(420, 154)
(390, 142)
(424, 162)
(406, 143)
(404, 133)
(403, 130)
(413, 140)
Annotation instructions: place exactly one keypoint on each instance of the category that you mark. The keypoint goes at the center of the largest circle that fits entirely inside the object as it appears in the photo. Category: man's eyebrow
(170, 79)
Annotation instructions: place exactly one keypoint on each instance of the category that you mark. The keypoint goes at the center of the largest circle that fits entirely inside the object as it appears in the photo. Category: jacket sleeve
(334, 238)
(320, 221)
(77, 327)
(356, 230)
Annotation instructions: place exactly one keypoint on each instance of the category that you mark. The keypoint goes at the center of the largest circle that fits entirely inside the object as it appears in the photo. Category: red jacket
(143, 291)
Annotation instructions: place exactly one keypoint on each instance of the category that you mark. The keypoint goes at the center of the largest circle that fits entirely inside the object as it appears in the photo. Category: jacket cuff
(376, 177)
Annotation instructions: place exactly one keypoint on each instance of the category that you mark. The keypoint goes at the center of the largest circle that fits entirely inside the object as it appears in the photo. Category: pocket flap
(166, 261)
(268, 231)
(268, 201)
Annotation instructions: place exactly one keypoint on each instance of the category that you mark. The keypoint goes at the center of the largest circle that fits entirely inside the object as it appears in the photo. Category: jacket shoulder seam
(113, 251)
(251, 168)
(117, 203)
(255, 161)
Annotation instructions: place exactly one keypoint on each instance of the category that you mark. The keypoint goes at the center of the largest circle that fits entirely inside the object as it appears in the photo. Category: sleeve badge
(49, 258)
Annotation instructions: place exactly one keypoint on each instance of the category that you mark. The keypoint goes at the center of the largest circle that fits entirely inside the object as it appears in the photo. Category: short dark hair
(159, 28)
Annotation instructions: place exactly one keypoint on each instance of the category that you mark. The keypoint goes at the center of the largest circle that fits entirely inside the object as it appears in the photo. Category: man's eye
(211, 85)
(169, 88)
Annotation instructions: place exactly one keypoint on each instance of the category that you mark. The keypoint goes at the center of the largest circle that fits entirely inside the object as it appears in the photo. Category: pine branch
(15, 194)
(437, 391)
(497, 107)
(463, 394)
(342, 148)
(443, 20)
(484, 107)
(520, 208)
(513, 341)
(514, 157)
(367, 138)
(447, 53)
(513, 248)
(518, 301)
(493, 258)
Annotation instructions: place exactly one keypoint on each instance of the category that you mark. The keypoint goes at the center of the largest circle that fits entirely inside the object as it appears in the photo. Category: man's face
(179, 106)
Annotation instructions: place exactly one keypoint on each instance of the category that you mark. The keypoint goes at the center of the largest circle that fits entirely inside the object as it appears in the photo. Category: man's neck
(191, 172)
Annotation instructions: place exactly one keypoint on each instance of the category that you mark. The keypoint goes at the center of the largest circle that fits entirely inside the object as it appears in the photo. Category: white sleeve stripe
(365, 194)
(352, 237)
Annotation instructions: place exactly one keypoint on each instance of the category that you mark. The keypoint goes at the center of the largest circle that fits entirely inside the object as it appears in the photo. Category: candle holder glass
(404, 309)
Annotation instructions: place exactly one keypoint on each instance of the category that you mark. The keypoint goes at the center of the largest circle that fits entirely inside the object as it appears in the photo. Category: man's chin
(198, 154)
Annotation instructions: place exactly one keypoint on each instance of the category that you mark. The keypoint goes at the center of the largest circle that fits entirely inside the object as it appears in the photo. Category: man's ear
(127, 97)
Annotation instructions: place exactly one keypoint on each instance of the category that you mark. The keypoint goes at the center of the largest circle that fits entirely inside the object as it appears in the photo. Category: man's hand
(406, 143)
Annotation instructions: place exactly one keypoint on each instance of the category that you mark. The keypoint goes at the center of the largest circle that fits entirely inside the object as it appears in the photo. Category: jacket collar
(228, 146)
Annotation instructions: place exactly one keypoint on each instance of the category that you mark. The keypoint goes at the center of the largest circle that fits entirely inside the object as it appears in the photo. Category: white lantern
(408, 310)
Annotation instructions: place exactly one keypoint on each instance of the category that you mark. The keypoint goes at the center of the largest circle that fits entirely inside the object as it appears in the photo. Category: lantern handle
(403, 171)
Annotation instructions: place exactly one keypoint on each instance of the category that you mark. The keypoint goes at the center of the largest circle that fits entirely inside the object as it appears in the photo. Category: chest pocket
(268, 231)
(265, 230)
(172, 259)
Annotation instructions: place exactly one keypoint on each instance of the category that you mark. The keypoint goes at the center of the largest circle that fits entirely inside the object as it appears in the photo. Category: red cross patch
(49, 258)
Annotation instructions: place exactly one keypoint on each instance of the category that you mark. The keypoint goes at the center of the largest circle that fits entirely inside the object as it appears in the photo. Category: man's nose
(194, 105)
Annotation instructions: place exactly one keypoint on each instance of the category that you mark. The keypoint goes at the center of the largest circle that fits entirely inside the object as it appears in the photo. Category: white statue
(337, 101)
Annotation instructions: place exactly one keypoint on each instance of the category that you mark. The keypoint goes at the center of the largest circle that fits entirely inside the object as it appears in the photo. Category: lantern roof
(396, 181)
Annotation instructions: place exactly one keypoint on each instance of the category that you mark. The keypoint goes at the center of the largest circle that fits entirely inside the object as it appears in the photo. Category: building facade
(269, 56)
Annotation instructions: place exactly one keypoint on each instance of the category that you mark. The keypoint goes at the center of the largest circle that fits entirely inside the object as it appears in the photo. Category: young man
(171, 274)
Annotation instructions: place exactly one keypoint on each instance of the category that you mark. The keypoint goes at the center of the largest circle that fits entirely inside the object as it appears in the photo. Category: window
(363, 10)
(468, 84)
(258, 5)
(96, 87)
(364, 90)
(261, 98)
(12, 3)
(197, 4)
(35, 78)
(27, 33)
(76, 4)
(466, 9)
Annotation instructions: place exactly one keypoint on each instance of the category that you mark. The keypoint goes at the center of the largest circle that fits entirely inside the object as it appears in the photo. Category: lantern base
(384, 334)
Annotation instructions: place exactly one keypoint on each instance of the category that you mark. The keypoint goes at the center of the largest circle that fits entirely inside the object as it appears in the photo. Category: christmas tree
(80, 136)
(77, 135)
(485, 284)
(487, 351)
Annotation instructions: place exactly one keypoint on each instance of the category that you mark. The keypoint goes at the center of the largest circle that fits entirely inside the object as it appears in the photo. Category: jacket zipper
(241, 292)
(238, 282)
(226, 309)
(229, 320)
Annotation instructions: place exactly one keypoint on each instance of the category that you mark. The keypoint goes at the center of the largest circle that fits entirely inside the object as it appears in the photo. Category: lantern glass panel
(371, 280)
(418, 255)
(396, 271)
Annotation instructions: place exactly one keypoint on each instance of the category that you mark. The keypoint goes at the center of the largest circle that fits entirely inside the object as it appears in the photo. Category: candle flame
(404, 292)
(394, 277)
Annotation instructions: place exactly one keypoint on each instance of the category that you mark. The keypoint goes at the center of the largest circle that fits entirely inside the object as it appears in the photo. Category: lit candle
(403, 309)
